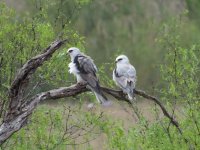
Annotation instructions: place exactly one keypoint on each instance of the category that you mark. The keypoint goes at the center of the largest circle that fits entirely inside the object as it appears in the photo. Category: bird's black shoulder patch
(78, 65)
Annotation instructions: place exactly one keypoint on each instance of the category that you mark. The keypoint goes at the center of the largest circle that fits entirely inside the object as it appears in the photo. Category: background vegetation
(161, 39)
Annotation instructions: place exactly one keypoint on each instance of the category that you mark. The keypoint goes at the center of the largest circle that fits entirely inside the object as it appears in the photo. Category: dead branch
(22, 78)
(9, 128)
(17, 113)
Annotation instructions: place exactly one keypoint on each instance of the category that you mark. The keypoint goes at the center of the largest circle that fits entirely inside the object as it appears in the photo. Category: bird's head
(122, 59)
(73, 52)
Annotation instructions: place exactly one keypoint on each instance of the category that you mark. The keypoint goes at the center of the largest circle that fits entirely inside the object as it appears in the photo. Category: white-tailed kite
(124, 75)
(84, 69)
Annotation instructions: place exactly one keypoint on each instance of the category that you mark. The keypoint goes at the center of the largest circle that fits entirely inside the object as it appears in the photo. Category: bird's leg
(82, 83)
(124, 91)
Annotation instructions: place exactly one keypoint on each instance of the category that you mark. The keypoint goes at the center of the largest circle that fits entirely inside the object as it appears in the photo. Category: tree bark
(8, 128)
(15, 117)
(22, 79)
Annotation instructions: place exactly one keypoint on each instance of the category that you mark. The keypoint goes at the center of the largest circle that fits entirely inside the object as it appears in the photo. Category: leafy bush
(58, 128)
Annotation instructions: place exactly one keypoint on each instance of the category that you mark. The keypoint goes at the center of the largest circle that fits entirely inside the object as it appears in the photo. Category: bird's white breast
(73, 69)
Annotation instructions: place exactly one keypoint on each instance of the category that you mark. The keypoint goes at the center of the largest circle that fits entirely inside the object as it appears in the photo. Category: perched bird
(84, 69)
(124, 75)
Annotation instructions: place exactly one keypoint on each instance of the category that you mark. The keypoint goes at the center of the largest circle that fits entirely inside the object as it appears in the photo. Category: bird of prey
(124, 76)
(84, 69)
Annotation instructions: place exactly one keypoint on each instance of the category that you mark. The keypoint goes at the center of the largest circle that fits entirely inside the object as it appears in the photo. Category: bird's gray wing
(87, 69)
(119, 78)
(131, 74)
(125, 74)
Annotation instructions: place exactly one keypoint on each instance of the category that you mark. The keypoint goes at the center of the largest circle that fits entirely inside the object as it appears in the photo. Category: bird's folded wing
(122, 81)
(131, 73)
(88, 70)
(126, 74)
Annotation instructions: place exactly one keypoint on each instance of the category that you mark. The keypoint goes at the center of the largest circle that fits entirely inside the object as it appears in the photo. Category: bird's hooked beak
(68, 53)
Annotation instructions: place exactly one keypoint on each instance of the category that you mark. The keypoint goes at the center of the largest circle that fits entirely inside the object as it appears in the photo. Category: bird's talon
(81, 83)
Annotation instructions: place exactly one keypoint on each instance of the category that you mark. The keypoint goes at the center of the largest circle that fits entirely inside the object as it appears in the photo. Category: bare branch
(22, 78)
(73, 90)
(17, 113)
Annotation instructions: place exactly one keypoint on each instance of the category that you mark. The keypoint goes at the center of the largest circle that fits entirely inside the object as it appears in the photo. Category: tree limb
(118, 94)
(15, 117)
(22, 78)
(7, 129)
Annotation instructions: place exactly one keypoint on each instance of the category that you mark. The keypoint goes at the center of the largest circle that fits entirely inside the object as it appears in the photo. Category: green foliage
(60, 12)
(193, 7)
(25, 37)
(180, 71)
(58, 128)
(155, 137)
(46, 129)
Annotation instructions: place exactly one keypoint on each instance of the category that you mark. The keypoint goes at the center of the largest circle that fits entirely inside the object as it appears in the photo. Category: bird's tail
(131, 95)
(130, 90)
(101, 98)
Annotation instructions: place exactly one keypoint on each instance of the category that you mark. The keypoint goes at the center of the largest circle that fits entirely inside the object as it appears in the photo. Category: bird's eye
(120, 59)
(70, 51)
